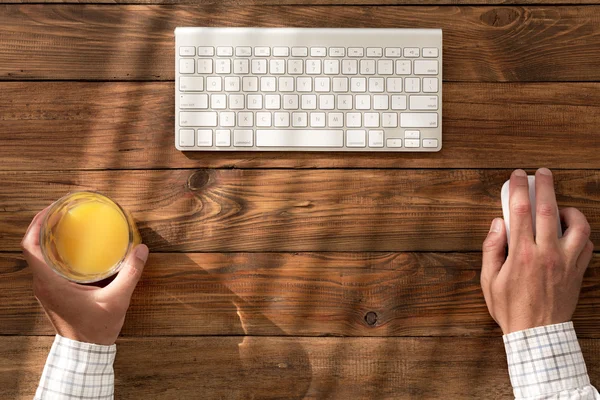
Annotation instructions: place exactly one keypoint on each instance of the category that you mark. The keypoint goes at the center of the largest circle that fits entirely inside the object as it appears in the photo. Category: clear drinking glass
(52, 221)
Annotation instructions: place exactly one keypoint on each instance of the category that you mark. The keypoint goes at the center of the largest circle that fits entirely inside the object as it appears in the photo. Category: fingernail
(545, 171)
(141, 252)
(520, 172)
(496, 225)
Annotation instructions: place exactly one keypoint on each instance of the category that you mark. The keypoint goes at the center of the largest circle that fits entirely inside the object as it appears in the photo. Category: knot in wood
(371, 318)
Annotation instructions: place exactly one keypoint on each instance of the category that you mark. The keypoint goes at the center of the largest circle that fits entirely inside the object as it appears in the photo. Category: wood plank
(124, 125)
(238, 3)
(289, 368)
(294, 210)
(302, 294)
(135, 42)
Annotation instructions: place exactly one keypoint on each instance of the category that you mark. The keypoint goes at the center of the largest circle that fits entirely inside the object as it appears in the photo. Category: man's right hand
(83, 313)
(539, 283)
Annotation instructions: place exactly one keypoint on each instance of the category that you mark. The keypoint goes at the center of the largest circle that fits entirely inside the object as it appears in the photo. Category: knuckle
(520, 208)
(489, 244)
(524, 254)
(546, 210)
(551, 259)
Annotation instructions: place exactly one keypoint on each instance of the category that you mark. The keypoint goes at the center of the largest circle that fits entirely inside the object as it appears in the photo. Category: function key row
(263, 51)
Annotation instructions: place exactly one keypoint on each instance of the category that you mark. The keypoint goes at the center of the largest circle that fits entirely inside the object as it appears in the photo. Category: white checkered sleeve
(77, 370)
(546, 363)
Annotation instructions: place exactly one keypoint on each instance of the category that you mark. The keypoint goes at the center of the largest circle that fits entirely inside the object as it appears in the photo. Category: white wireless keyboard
(304, 89)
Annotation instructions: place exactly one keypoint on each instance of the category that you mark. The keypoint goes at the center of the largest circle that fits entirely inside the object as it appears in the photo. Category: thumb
(493, 251)
(130, 274)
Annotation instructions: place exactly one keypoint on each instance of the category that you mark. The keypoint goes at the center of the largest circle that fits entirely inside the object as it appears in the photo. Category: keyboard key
(245, 119)
(335, 120)
(318, 51)
(243, 137)
(412, 135)
(390, 120)
(430, 85)
(282, 119)
(241, 66)
(213, 84)
(398, 102)
(412, 85)
(428, 143)
(376, 138)
(263, 119)
(356, 52)
(250, 84)
(340, 84)
(326, 102)
(394, 143)
(411, 52)
(204, 51)
(286, 84)
(349, 67)
(259, 66)
(299, 51)
(295, 67)
(186, 138)
(189, 84)
(272, 102)
(223, 138)
(227, 118)
(277, 67)
(313, 67)
(358, 84)
(317, 120)
(290, 102)
(337, 52)
(322, 84)
(205, 137)
(426, 67)
(225, 51)
(304, 84)
(223, 66)
(199, 118)
(186, 66)
(418, 120)
(363, 102)
(232, 84)
(356, 138)
(344, 102)
(430, 52)
(262, 51)
(218, 101)
(394, 85)
(299, 138)
(412, 143)
(393, 52)
(376, 85)
(367, 67)
(205, 66)
(423, 103)
(403, 67)
(331, 67)
(353, 120)
(371, 120)
(267, 83)
(281, 51)
(374, 52)
(380, 102)
(309, 101)
(187, 51)
(299, 120)
(237, 101)
(193, 101)
(385, 67)
(255, 101)
(245, 51)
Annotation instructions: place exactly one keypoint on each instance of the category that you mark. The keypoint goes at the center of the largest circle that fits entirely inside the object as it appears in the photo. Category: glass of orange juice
(86, 236)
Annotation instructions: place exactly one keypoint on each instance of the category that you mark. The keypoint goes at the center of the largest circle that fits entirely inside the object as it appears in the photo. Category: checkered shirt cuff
(547, 360)
(76, 370)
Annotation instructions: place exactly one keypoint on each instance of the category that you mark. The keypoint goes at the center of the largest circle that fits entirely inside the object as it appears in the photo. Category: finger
(521, 223)
(586, 256)
(32, 235)
(127, 278)
(494, 252)
(578, 231)
(546, 211)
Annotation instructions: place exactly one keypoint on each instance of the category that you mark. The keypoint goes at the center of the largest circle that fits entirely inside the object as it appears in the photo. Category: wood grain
(288, 368)
(129, 125)
(301, 294)
(239, 3)
(135, 42)
(294, 210)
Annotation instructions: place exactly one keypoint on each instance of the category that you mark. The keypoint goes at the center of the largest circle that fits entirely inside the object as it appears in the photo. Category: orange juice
(86, 236)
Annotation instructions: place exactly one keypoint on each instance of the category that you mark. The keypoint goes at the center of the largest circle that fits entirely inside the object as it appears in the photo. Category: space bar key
(299, 138)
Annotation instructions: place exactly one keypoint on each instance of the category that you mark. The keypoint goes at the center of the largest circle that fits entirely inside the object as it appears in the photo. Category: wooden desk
(291, 276)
